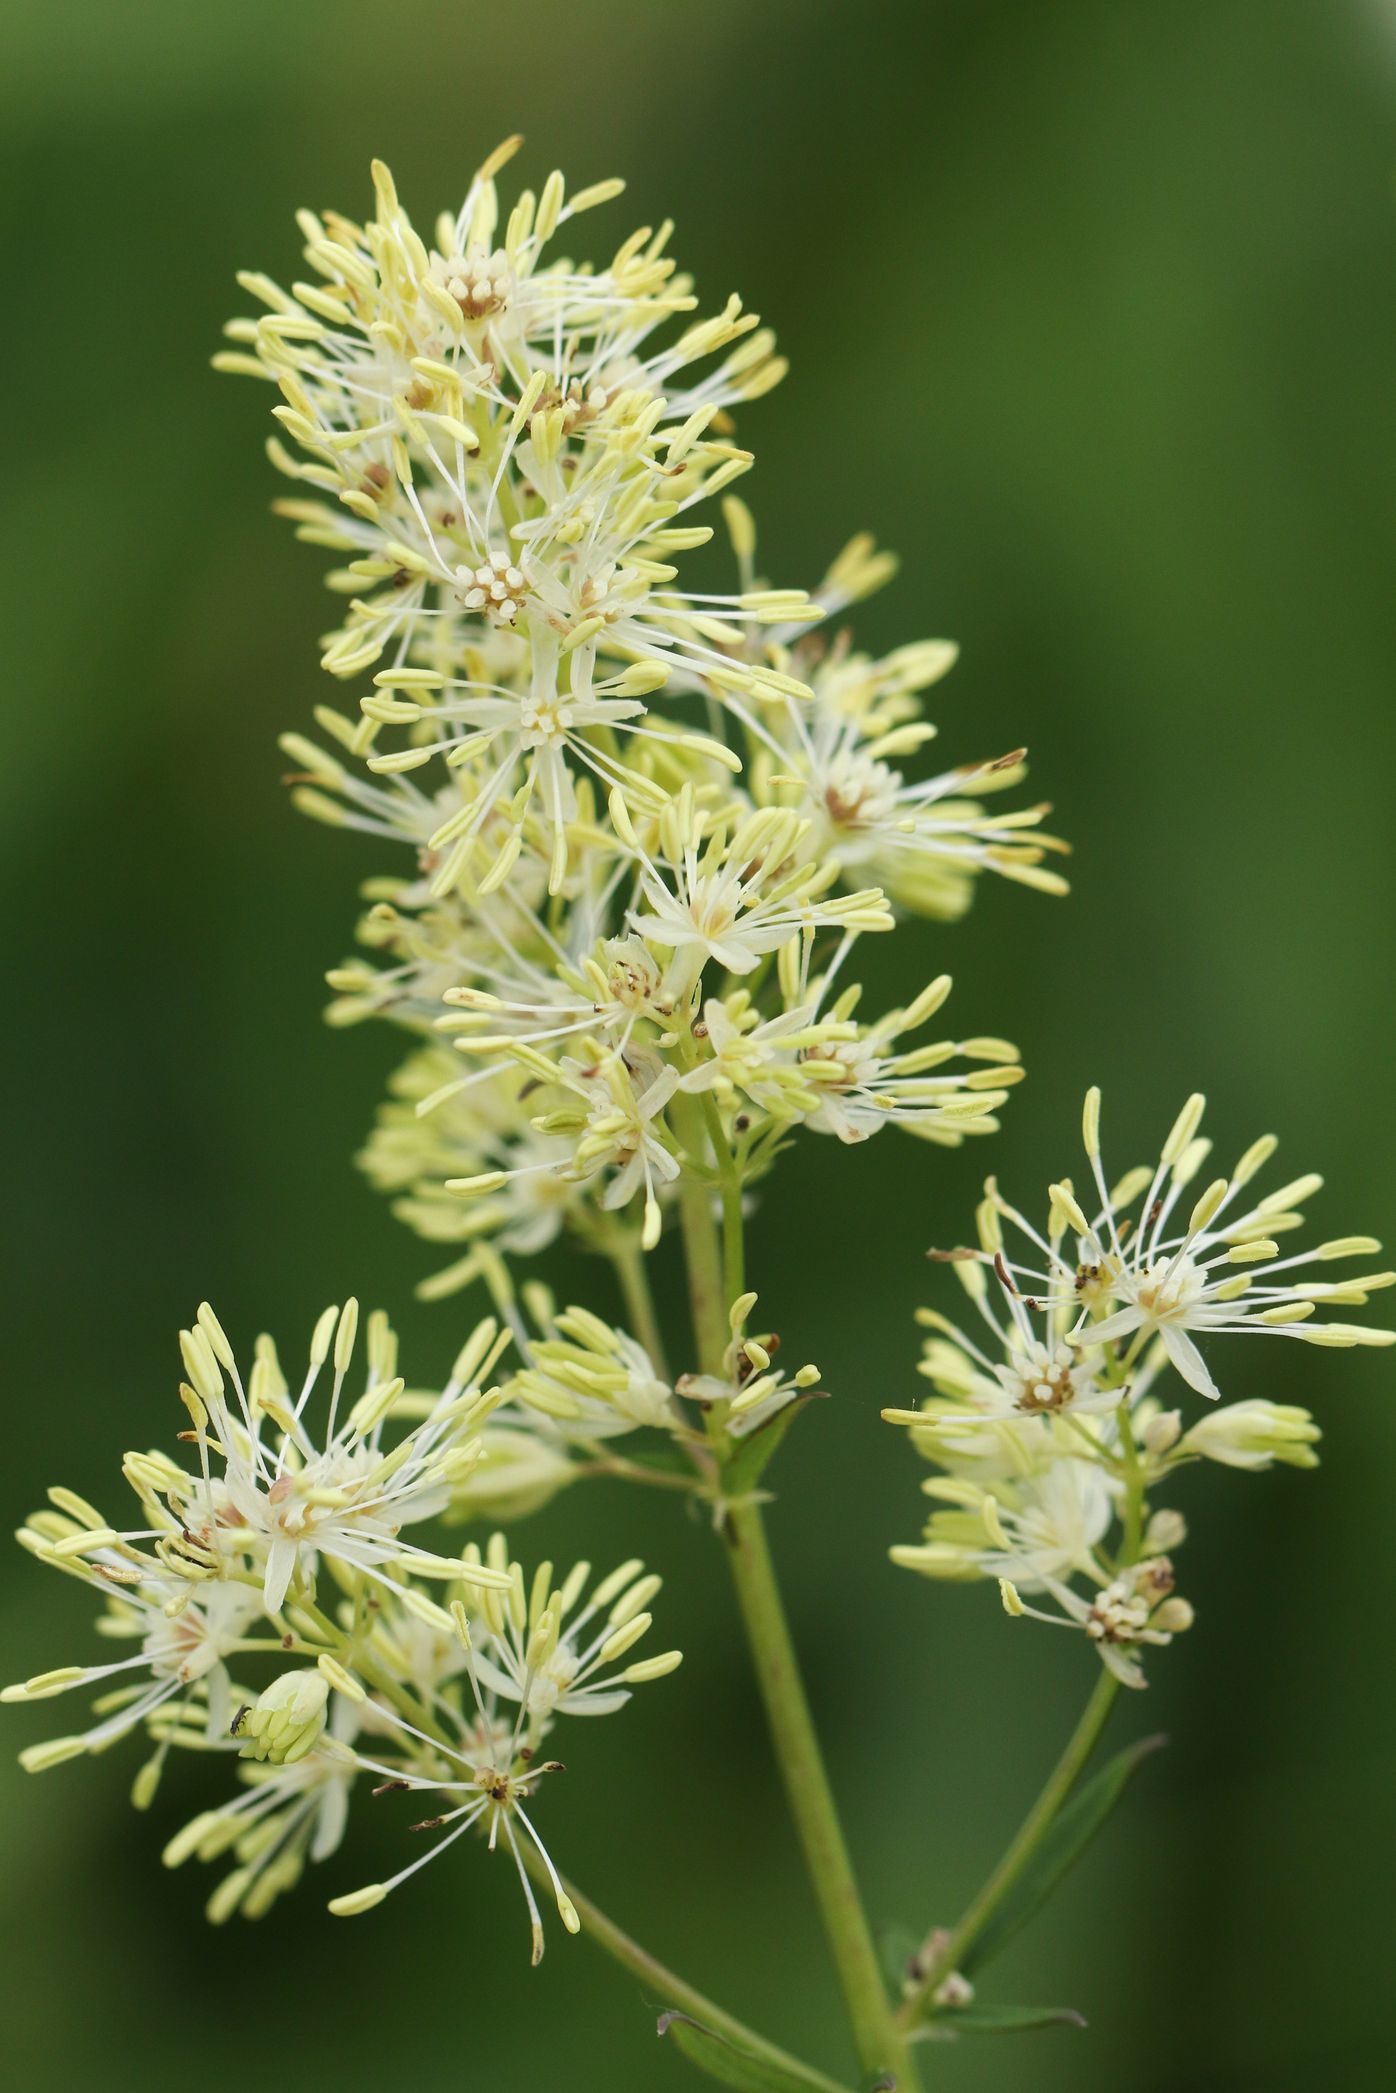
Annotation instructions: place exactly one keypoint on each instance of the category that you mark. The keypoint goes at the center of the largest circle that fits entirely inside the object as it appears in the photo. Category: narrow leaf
(1060, 1850)
(730, 2066)
(897, 1950)
(744, 1465)
(1001, 2020)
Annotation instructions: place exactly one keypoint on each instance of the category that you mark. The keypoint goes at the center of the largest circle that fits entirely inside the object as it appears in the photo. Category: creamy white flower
(924, 839)
(286, 1500)
(613, 1124)
(588, 1378)
(186, 1632)
(1041, 1525)
(1254, 1434)
(733, 892)
(1220, 1271)
(532, 1653)
(1132, 1612)
(291, 1811)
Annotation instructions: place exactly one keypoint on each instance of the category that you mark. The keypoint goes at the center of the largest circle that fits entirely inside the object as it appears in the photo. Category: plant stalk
(879, 2041)
(877, 2037)
(1029, 1837)
(628, 1261)
(667, 1989)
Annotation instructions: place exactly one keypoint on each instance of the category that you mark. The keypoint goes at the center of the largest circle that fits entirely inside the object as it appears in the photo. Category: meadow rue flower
(591, 1380)
(1045, 1524)
(1132, 1612)
(862, 1081)
(1029, 1368)
(286, 1498)
(186, 1631)
(734, 892)
(291, 1812)
(609, 1119)
(509, 462)
(836, 756)
(1137, 1270)
(1051, 1431)
(1219, 1271)
(432, 1130)
(539, 1650)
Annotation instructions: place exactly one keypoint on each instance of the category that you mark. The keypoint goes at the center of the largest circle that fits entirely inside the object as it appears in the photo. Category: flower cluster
(635, 827)
(1051, 1431)
(641, 826)
(287, 1544)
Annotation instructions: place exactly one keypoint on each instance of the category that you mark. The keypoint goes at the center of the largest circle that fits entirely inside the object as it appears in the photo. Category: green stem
(712, 1272)
(633, 1274)
(879, 2044)
(1132, 1539)
(1031, 1833)
(638, 1472)
(733, 1229)
(706, 1284)
(667, 1989)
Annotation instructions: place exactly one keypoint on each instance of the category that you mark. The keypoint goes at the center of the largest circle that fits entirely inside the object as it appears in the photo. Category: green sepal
(1060, 1850)
(731, 2066)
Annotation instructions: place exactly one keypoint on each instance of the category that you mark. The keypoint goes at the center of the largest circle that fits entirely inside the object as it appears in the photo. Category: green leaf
(1060, 1850)
(730, 2066)
(744, 1464)
(1001, 2020)
(896, 1950)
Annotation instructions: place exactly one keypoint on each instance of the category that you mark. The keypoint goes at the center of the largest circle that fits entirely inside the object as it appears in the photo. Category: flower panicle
(1050, 1418)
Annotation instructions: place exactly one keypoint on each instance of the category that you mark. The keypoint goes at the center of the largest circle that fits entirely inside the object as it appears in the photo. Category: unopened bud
(286, 1721)
(1255, 1434)
(1162, 1432)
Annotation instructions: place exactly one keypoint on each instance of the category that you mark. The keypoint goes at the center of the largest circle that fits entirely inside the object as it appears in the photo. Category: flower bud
(287, 1719)
(1162, 1432)
(1254, 1435)
(1166, 1530)
(518, 1473)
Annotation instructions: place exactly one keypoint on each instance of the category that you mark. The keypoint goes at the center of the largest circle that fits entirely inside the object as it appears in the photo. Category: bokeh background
(1091, 309)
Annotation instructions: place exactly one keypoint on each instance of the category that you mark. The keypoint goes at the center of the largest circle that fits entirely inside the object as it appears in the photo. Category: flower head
(494, 438)
(537, 1651)
(1047, 1424)
(1219, 1270)
(285, 1498)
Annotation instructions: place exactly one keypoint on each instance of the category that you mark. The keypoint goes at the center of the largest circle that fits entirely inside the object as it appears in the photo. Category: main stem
(879, 2041)
(1029, 1837)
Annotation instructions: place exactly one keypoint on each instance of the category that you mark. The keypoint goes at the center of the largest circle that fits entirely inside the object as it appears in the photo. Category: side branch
(664, 1988)
(1029, 1837)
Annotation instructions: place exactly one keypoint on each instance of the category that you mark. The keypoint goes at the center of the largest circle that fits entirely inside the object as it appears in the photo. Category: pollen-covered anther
(480, 284)
(495, 589)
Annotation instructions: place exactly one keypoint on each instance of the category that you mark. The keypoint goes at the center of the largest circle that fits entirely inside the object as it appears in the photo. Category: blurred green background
(1091, 309)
